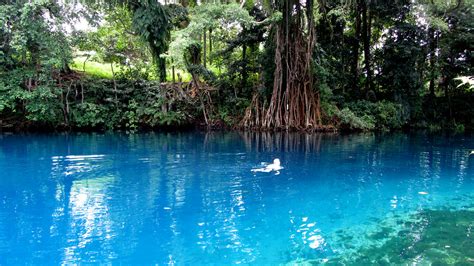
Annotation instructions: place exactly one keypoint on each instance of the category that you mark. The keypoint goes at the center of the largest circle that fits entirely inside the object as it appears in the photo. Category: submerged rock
(429, 237)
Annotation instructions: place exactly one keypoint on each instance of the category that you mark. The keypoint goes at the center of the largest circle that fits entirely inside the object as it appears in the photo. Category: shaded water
(191, 198)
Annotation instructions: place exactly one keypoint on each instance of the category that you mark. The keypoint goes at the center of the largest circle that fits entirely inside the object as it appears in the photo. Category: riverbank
(87, 104)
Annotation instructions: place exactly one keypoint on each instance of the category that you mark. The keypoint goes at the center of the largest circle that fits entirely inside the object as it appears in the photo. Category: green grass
(95, 69)
(104, 71)
(185, 76)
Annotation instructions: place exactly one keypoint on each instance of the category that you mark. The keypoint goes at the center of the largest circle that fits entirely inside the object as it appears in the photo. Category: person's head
(276, 161)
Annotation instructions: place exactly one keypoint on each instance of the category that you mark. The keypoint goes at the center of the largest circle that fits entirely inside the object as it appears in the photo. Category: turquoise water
(191, 198)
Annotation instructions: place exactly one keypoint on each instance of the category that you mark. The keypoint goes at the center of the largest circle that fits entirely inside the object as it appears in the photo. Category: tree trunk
(432, 54)
(204, 48)
(173, 73)
(294, 105)
(115, 83)
(244, 66)
(355, 50)
(366, 31)
(162, 69)
(210, 46)
(84, 64)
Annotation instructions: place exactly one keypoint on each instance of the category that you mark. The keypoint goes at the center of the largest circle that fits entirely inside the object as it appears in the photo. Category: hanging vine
(198, 89)
(294, 104)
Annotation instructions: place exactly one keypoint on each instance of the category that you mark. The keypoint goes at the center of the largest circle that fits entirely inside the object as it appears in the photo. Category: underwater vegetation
(428, 237)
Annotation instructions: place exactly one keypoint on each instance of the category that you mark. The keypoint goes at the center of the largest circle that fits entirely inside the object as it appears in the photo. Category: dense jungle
(265, 65)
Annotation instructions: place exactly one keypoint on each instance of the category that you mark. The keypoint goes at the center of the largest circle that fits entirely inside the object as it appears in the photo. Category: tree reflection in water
(191, 197)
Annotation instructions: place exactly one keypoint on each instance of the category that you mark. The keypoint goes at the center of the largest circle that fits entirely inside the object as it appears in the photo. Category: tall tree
(152, 21)
(293, 103)
(366, 37)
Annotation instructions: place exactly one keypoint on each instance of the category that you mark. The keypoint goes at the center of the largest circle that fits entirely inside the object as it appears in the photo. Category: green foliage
(228, 114)
(33, 51)
(171, 118)
(385, 115)
(418, 52)
(224, 20)
(11, 92)
(153, 23)
(89, 114)
(364, 115)
(350, 121)
(131, 116)
(33, 35)
(39, 104)
(113, 43)
(136, 110)
(43, 106)
(400, 73)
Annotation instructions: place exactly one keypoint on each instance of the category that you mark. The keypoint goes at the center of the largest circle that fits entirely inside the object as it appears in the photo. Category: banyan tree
(294, 103)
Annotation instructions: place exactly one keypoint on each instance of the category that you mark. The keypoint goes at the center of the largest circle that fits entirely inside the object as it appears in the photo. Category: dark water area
(191, 198)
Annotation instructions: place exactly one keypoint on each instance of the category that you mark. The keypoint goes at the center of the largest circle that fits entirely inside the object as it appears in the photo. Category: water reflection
(89, 214)
(74, 164)
(192, 199)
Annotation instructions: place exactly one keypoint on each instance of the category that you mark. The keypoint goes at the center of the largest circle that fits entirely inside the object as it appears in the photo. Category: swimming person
(275, 166)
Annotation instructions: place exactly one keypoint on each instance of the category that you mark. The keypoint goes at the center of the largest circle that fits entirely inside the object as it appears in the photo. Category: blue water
(191, 198)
